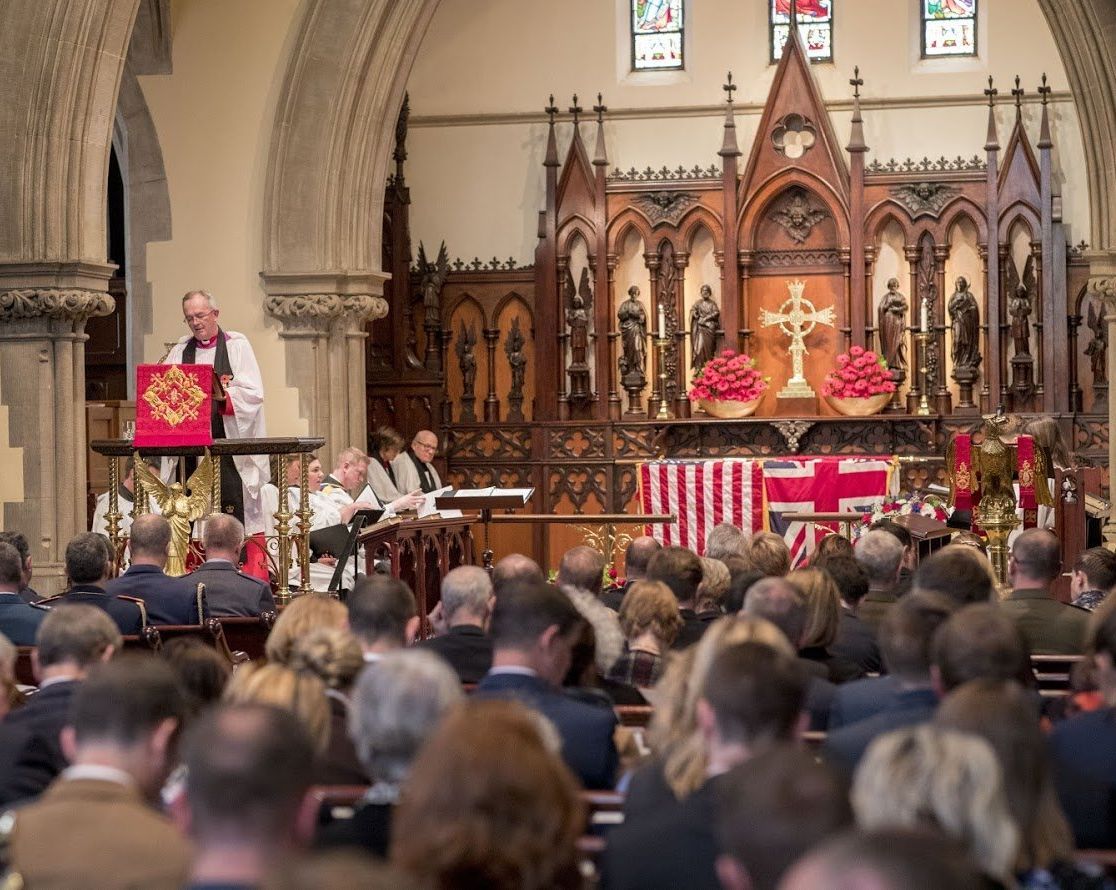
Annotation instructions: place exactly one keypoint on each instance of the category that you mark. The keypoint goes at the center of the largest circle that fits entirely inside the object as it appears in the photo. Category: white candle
(925, 317)
(662, 320)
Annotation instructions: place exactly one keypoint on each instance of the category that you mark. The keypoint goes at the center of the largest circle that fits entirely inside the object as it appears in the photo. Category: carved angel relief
(924, 197)
(665, 207)
(797, 215)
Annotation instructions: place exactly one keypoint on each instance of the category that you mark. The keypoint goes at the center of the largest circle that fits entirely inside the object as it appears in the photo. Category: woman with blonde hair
(678, 765)
(823, 618)
(709, 601)
(650, 620)
(487, 804)
(927, 777)
(303, 694)
(304, 614)
(333, 656)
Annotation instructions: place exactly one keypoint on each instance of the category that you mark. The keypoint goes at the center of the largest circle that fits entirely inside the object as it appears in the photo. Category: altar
(761, 495)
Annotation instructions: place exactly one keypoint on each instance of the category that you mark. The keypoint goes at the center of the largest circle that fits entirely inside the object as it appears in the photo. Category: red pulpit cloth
(173, 405)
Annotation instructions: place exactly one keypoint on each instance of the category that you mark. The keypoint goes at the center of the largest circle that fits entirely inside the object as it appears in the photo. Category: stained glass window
(657, 27)
(815, 25)
(948, 28)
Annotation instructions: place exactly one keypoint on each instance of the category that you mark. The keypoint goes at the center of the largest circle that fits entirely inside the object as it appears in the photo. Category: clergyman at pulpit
(237, 406)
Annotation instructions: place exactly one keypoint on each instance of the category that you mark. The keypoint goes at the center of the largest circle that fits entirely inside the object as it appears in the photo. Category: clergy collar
(211, 342)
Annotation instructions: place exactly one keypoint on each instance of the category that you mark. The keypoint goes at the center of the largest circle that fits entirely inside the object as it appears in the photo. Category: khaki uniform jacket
(96, 833)
(1050, 627)
(874, 605)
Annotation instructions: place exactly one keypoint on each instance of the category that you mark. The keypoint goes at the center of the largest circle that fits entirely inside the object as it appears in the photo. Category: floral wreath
(928, 505)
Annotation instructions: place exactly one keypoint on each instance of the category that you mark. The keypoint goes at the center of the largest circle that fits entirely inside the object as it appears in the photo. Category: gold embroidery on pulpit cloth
(174, 396)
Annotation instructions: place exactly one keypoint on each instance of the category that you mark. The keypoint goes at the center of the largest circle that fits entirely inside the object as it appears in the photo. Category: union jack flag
(755, 494)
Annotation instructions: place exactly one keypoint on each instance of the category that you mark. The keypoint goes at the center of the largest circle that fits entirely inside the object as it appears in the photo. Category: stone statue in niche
(1097, 350)
(517, 361)
(467, 361)
(632, 318)
(964, 318)
(705, 319)
(891, 323)
(579, 302)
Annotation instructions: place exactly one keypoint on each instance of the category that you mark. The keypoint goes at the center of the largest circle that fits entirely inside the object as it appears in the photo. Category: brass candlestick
(922, 343)
(661, 343)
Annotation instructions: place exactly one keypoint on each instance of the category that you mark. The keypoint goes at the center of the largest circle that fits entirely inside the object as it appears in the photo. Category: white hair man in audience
(349, 475)
(94, 825)
(725, 540)
(395, 704)
(382, 615)
(752, 699)
(229, 592)
(581, 577)
(19, 621)
(880, 554)
(249, 768)
(463, 612)
(636, 557)
(1049, 626)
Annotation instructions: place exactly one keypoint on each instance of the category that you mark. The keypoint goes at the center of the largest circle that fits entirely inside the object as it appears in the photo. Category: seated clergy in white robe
(413, 468)
(386, 446)
(350, 472)
(240, 414)
(125, 495)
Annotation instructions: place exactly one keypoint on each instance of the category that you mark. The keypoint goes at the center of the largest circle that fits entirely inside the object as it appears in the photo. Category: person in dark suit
(958, 571)
(228, 591)
(636, 557)
(19, 541)
(1050, 627)
(168, 600)
(89, 566)
(906, 637)
(248, 770)
(856, 640)
(463, 612)
(752, 697)
(19, 622)
(533, 630)
(71, 640)
(881, 556)
(680, 570)
(396, 703)
(95, 818)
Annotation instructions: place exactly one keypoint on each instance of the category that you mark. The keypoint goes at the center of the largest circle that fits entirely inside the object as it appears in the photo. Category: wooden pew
(1054, 672)
(211, 631)
(24, 673)
(248, 634)
(634, 715)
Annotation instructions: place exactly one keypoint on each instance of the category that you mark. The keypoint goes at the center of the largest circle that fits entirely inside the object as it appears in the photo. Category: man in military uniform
(19, 622)
(1050, 627)
(228, 591)
(94, 826)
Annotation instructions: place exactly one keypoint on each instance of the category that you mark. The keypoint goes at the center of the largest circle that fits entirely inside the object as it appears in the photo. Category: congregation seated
(395, 705)
(823, 615)
(19, 541)
(581, 578)
(474, 814)
(71, 640)
(751, 697)
(880, 554)
(636, 556)
(856, 639)
(1092, 577)
(89, 567)
(1049, 627)
(228, 591)
(650, 620)
(680, 570)
(382, 615)
(725, 540)
(93, 824)
(167, 600)
(463, 611)
(768, 554)
(300, 692)
(709, 601)
(533, 630)
(910, 553)
(304, 614)
(957, 571)
(513, 568)
(202, 672)
(19, 620)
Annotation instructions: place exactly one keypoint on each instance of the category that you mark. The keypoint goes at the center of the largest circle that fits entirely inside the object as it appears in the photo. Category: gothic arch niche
(513, 315)
(702, 269)
(577, 295)
(964, 260)
(468, 359)
(631, 269)
(888, 263)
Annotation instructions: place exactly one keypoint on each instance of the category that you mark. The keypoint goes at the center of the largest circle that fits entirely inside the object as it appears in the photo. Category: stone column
(324, 335)
(42, 383)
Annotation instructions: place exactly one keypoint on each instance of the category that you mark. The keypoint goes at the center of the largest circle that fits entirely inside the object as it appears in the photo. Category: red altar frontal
(761, 494)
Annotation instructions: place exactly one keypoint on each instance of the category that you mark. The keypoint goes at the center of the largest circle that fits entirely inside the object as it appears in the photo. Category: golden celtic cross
(797, 318)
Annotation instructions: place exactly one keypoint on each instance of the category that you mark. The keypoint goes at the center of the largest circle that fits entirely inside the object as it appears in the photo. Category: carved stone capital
(60, 304)
(1105, 288)
(363, 308)
(304, 312)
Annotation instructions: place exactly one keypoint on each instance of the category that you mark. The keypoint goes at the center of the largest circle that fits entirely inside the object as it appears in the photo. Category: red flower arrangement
(860, 373)
(730, 376)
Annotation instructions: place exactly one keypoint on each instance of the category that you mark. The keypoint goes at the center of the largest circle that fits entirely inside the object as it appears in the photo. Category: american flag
(755, 494)
(701, 494)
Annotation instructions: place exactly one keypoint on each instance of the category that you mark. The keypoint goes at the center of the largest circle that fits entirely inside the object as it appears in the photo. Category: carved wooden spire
(1044, 140)
(1017, 94)
(856, 136)
(575, 109)
(551, 159)
(992, 141)
(600, 156)
(729, 146)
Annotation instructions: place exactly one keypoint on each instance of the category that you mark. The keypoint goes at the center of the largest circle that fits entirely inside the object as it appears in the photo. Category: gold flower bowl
(860, 407)
(728, 409)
